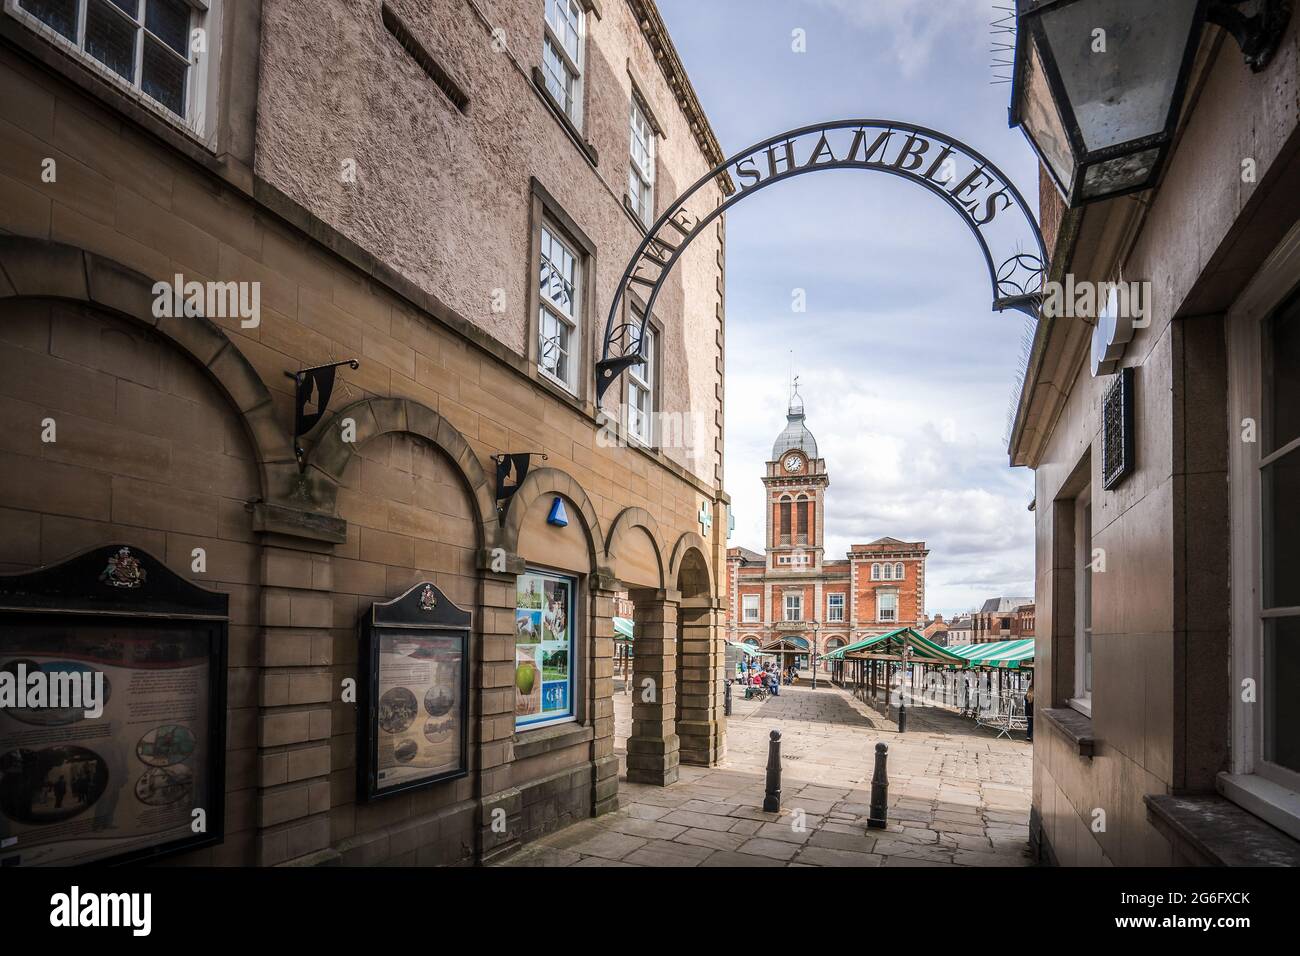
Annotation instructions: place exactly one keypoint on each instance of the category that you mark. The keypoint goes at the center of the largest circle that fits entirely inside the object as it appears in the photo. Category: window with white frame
(888, 572)
(641, 166)
(898, 572)
(749, 604)
(886, 605)
(794, 607)
(558, 326)
(835, 607)
(1082, 700)
(562, 55)
(875, 572)
(1263, 332)
(156, 49)
(640, 390)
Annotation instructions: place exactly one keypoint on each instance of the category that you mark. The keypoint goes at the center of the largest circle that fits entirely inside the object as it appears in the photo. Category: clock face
(793, 463)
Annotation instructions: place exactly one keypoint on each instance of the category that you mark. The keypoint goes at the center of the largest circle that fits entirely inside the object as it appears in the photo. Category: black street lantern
(1099, 84)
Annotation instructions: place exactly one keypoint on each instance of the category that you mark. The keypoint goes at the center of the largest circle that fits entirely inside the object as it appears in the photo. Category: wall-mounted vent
(459, 98)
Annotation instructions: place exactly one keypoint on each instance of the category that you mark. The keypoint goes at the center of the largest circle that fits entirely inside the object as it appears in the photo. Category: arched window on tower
(889, 572)
(801, 529)
(785, 520)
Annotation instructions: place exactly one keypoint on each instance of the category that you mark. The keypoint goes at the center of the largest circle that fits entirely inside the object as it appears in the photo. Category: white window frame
(1083, 611)
(749, 608)
(832, 607)
(547, 308)
(797, 607)
(875, 572)
(892, 616)
(552, 41)
(201, 79)
(641, 172)
(898, 571)
(1264, 789)
(887, 574)
(641, 388)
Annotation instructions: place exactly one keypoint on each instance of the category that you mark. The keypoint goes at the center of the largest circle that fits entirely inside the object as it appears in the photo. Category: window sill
(1213, 831)
(549, 739)
(1269, 801)
(1074, 726)
(587, 150)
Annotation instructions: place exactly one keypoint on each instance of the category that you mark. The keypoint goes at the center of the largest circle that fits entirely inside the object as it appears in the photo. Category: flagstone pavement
(957, 795)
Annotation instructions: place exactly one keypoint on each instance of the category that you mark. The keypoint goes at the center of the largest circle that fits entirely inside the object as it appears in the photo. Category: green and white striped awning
(924, 651)
(751, 649)
(997, 653)
(623, 628)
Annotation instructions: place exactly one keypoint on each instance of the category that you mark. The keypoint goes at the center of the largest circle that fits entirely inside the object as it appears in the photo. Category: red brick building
(790, 597)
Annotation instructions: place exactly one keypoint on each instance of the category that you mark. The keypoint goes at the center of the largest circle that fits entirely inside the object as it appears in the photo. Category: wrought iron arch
(972, 186)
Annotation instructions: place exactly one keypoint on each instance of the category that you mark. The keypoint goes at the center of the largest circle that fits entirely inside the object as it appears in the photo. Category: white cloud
(910, 31)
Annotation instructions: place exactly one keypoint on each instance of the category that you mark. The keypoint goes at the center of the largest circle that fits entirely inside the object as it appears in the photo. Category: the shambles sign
(986, 200)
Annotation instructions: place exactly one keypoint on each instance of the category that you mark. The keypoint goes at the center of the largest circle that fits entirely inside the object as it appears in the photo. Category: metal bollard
(726, 700)
(772, 798)
(902, 711)
(879, 790)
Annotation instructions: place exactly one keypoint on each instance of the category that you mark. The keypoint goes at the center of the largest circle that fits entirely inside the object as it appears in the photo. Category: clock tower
(796, 483)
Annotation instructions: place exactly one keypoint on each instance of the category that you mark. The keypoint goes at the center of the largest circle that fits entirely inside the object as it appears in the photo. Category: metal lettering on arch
(986, 200)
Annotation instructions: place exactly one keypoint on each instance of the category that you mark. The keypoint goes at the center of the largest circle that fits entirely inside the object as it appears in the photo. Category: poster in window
(130, 764)
(543, 648)
(415, 691)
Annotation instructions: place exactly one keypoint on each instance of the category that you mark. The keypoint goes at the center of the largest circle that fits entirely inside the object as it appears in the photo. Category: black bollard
(726, 701)
(772, 798)
(879, 790)
(902, 711)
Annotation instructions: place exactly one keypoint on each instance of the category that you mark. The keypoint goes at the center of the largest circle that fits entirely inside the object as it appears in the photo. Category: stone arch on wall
(688, 542)
(552, 481)
(631, 524)
(373, 417)
(44, 269)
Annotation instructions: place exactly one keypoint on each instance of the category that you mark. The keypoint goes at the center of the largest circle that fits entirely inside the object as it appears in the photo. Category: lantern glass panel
(1120, 63)
(1042, 120)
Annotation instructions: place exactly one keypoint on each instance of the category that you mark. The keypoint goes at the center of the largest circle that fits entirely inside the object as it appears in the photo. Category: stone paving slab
(957, 795)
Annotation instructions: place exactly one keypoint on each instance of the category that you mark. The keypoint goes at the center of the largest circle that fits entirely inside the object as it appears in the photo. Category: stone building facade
(1168, 640)
(387, 176)
(792, 598)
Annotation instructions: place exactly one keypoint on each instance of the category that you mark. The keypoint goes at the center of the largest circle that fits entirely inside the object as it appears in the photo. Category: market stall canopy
(892, 644)
(623, 628)
(751, 649)
(786, 645)
(1018, 653)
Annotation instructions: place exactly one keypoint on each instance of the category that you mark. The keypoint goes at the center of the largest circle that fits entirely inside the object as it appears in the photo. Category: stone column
(652, 750)
(295, 691)
(600, 694)
(701, 728)
(500, 809)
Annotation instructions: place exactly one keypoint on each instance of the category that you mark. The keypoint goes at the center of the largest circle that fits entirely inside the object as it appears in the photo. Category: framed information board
(414, 693)
(112, 711)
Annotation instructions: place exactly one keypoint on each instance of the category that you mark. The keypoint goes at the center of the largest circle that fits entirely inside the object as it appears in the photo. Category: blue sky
(904, 369)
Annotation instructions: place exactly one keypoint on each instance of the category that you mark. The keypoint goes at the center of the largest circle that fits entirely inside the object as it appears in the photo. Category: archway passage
(984, 197)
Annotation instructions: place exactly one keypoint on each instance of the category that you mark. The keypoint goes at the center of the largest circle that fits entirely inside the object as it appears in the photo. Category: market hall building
(387, 639)
(1165, 442)
(793, 602)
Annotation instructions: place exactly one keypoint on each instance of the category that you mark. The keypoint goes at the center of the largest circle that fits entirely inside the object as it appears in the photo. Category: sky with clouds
(905, 371)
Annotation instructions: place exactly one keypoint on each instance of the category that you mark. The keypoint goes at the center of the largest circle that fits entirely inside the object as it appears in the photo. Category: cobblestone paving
(957, 795)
